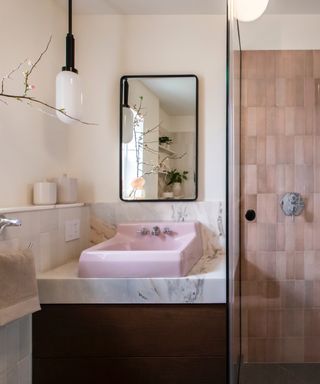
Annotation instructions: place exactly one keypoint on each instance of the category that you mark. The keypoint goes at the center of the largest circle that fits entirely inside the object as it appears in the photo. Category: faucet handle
(155, 231)
(143, 231)
(167, 231)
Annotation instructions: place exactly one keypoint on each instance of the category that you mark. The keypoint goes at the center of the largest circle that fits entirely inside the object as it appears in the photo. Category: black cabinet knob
(250, 215)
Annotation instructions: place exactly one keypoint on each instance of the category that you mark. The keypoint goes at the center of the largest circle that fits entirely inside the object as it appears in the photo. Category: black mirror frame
(122, 80)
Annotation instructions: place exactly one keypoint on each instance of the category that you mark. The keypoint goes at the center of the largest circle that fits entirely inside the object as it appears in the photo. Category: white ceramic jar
(44, 193)
(67, 190)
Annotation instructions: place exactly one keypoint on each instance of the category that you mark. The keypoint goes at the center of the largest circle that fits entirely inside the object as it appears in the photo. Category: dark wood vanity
(115, 344)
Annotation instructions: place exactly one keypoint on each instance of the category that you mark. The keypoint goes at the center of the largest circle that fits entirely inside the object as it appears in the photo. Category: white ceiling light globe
(127, 125)
(69, 96)
(249, 10)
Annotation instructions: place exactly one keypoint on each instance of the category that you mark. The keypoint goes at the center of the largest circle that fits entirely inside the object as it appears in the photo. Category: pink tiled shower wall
(280, 152)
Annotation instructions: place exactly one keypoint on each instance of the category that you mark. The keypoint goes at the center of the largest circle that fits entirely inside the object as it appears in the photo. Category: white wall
(110, 46)
(33, 145)
(182, 124)
(36, 146)
(281, 32)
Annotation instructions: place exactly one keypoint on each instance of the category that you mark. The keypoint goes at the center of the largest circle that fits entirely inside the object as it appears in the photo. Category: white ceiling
(148, 7)
(162, 7)
(303, 7)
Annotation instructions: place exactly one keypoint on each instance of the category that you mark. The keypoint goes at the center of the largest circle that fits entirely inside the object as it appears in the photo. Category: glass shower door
(233, 195)
(280, 137)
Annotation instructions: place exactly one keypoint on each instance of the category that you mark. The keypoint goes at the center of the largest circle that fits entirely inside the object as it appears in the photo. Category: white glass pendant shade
(249, 10)
(127, 125)
(69, 97)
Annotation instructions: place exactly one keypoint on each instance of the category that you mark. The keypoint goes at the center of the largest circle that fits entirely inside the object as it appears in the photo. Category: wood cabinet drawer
(129, 331)
(131, 370)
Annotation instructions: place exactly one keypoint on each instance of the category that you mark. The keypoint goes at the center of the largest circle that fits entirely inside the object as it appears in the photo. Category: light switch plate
(72, 230)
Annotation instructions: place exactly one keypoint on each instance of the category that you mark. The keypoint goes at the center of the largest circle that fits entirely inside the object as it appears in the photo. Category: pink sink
(132, 254)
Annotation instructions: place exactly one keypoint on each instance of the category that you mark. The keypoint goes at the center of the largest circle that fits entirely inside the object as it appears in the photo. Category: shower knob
(250, 215)
(292, 204)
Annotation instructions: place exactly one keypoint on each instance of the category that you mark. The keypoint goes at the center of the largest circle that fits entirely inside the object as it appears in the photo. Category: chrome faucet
(6, 222)
(143, 231)
(155, 231)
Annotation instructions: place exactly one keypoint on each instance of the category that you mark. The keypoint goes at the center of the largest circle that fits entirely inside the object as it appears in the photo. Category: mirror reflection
(158, 132)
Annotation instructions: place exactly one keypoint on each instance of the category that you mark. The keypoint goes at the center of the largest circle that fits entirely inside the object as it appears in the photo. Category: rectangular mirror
(159, 138)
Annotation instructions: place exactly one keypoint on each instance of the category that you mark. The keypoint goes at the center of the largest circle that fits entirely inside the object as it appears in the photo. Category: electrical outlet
(72, 230)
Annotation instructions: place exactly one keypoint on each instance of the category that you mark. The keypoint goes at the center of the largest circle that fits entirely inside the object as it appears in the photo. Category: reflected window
(133, 159)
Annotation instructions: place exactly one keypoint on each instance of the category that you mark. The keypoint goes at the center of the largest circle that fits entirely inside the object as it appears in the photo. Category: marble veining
(206, 283)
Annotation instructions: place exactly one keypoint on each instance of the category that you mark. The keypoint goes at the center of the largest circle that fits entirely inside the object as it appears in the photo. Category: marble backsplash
(204, 284)
(106, 216)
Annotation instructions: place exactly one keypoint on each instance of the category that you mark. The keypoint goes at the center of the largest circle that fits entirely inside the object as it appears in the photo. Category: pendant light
(250, 10)
(127, 115)
(69, 96)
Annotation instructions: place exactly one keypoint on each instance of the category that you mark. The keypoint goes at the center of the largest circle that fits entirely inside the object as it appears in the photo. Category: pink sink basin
(133, 254)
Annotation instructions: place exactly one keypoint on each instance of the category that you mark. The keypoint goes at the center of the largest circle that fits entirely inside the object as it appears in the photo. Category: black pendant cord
(70, 17)
(70, 44)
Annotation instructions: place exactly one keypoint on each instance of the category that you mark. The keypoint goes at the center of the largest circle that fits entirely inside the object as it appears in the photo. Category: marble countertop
(205, 284)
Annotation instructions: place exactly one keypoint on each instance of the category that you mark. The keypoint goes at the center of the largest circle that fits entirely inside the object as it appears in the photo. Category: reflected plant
(165, 140)
(175, 176)
(142, 144)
